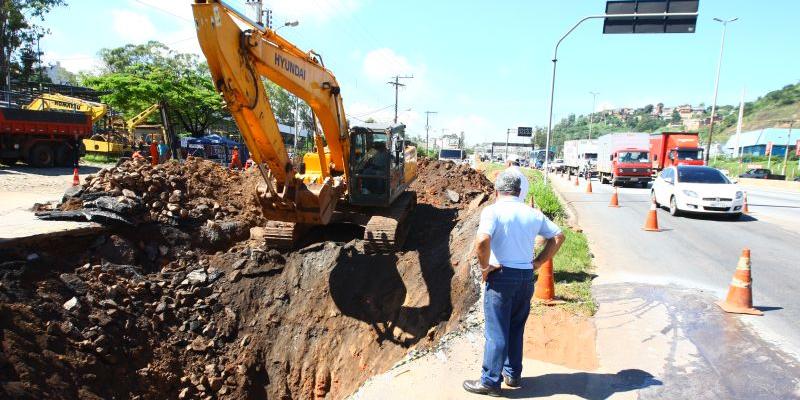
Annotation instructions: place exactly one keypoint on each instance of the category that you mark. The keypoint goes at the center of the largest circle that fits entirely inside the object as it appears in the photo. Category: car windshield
(701, 175)
(690, 155)
(633, 156)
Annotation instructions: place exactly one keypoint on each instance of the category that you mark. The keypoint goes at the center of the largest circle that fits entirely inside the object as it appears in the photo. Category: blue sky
(482, 66)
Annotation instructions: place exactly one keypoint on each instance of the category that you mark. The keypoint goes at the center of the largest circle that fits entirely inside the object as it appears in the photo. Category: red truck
(42, 138)
(622, 158)
(675, 148)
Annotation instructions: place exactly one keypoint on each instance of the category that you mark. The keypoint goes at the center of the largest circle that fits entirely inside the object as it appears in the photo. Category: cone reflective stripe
(614, 199)
(651, 222)
(76, 180)
(589, 186)
(740, 292)
(745, 209)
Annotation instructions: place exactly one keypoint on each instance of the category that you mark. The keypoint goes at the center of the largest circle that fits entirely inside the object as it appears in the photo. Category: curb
(569, 209)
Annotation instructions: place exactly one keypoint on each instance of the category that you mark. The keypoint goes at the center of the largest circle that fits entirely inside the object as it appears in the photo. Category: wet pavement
(708, 355)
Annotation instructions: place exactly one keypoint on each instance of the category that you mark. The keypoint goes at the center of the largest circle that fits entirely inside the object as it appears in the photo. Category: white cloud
(380, 64)
(308, 10)
(132, 26)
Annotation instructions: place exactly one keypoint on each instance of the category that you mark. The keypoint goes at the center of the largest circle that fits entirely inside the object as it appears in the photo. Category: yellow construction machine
(110, 143)
(357, 175)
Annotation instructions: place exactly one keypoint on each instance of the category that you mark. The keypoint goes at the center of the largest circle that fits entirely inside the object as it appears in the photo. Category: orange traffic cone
(533, 202)
(545, 289)
(745, 208)
(589, 186)
(740, 292)
(614, 199)
(651, 223)
(576, 181)
(76, 180)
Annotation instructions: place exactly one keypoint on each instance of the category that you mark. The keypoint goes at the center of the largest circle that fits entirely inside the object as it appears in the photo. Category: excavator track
(387, 231)
(283, 235)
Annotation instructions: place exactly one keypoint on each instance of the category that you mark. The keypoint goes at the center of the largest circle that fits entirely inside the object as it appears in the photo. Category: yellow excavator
(357, 175)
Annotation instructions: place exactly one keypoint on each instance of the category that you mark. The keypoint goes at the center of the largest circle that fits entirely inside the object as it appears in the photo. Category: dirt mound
(172, 193)
(152, 311)
(445, 184)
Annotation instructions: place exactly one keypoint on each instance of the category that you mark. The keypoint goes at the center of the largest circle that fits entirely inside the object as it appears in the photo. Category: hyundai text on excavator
(358, 174)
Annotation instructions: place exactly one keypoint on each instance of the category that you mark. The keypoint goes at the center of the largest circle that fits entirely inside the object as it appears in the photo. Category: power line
(396, 83)
(165, 11)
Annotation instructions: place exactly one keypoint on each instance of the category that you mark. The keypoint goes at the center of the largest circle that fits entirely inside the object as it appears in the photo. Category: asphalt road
(700, 252)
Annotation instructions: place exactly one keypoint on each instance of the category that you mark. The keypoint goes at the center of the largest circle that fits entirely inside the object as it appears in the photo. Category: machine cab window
(376, 157)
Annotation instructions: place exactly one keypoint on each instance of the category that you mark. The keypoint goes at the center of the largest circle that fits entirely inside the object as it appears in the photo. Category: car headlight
(619, 170)
(690, 193)
(739, 195)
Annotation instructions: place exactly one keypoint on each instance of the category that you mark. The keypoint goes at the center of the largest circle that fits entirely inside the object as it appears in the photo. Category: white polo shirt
(523, 181)
(513, 227)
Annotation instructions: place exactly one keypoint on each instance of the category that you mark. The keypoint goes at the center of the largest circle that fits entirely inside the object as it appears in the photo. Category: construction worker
(513, 167)
(154, 153)
(236, 163)
(504, 251)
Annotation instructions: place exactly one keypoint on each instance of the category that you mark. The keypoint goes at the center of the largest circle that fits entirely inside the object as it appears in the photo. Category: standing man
(504, 247)
(153, 153)
(513, 167)
(236, 163)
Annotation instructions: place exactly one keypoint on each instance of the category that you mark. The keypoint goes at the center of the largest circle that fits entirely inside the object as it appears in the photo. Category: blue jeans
(506, 304)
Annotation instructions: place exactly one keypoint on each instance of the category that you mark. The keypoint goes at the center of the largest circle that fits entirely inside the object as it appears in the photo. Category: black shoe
(512, 382)
(479, 388)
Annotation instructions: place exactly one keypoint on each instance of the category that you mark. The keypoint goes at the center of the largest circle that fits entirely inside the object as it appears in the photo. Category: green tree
(676, 117)
(19, 33)
(139, 75)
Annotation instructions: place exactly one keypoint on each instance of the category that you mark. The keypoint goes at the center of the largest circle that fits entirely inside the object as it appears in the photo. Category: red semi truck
(623, 158)
(675, 148)
(42, 138)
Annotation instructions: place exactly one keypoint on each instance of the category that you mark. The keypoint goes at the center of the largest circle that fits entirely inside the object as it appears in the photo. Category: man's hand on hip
(485, 271)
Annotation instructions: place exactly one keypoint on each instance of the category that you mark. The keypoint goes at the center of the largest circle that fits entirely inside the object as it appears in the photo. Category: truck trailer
(675, 148)
(580, 156)
(624, 158)
(42, 138)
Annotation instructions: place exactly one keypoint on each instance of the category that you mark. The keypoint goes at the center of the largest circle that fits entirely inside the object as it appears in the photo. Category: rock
(173, 207)
(161, 307)
(184, 393)
(238, 264)
(200, 344)
(72, 304)
(235, 276)
(196, 277)
(74, 283)
(129, 194)
(452, 196)
(215, 383)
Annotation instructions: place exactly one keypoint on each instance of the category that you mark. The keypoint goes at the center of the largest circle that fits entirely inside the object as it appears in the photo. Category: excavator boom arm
(239, 53)
(54, 101)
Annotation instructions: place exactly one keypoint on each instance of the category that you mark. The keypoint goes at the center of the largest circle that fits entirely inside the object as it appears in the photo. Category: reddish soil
(562, 338)
(155, 311)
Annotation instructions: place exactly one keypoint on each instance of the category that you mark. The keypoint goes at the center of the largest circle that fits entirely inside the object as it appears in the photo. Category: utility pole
(427, 128)
(258, 5)
(396, 83)
(739, 132)
(716, 83)
(786, 151)
(508, 131)
(591, 115)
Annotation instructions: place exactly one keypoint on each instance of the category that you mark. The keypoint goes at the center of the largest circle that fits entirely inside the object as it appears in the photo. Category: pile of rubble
(446, 184)
(172, 193)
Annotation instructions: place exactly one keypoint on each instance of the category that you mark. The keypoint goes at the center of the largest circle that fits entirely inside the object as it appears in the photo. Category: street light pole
(285, 24)
(591, 115)
(555, 61)
(716, 84)
(508, 131)
(786, 152)
(427, 129)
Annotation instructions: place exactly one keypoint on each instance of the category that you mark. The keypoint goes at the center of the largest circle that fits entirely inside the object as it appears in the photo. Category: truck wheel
(8, 161)
(65, 155)
(41, 156)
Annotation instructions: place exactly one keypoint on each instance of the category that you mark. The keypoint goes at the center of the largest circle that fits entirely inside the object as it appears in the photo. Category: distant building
(755, 142)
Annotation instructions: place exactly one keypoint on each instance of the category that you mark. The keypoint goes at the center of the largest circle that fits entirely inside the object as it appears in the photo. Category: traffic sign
(651, 24)
(525, 131)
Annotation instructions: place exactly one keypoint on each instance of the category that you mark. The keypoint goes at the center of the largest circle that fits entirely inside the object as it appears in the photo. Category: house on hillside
(755, 142)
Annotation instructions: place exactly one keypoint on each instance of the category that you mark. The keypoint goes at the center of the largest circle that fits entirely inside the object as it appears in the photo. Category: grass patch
(572, 265)
(100, 158)
(733, 168)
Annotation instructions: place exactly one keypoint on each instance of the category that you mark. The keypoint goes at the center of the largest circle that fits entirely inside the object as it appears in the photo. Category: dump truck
(675, 148)
(42, 138)
(580, 156)
(623, 158)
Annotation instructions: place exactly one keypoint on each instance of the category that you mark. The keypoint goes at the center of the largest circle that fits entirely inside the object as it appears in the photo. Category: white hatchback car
(700, 189)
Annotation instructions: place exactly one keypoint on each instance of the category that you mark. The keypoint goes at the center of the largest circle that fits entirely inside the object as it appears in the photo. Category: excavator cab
(377, 161)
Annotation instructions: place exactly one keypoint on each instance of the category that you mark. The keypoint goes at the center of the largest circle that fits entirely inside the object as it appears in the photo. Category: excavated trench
(185, 304)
